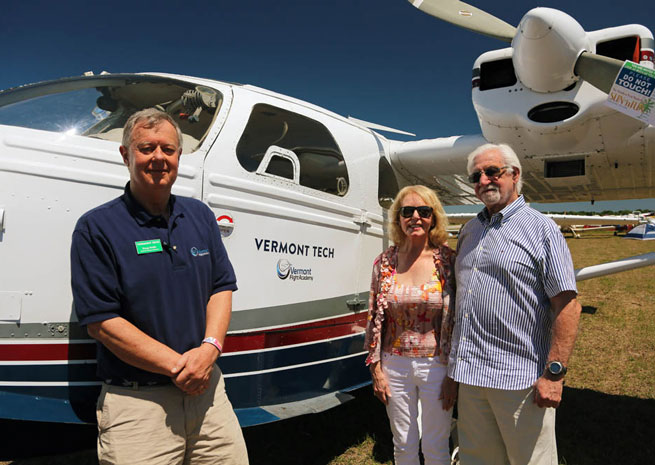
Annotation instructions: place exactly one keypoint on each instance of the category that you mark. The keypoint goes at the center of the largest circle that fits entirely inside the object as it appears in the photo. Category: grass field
(607, 415)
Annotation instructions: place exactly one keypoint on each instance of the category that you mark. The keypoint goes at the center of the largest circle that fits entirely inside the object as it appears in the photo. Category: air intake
(553, 112)
(564, 169)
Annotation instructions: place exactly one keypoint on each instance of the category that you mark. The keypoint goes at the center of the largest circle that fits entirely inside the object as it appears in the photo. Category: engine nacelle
(547, 44)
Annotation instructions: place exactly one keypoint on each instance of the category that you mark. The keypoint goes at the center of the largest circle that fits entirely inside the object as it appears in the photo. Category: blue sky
(377, 60)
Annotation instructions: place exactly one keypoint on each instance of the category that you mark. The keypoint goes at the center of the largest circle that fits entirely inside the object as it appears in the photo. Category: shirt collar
(505, 213)
(140, 214)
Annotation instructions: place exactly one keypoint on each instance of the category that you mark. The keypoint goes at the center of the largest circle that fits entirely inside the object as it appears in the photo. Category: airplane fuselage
(295, 192)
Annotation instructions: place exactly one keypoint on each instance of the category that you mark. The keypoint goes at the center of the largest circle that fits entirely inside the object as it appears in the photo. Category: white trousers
(413, 380)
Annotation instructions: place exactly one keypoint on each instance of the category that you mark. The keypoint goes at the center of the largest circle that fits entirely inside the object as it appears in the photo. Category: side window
(320, 164)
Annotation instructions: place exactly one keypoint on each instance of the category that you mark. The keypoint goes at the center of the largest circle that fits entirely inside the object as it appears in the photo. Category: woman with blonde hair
(409, 328)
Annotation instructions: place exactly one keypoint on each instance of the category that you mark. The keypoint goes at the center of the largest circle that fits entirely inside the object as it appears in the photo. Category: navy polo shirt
(163, 293)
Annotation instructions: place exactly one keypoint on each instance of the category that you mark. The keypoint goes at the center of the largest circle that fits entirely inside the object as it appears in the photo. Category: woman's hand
(448, 393)
(380, 385)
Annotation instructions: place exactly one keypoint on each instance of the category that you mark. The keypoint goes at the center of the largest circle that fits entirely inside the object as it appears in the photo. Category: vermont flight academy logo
(283, 268)
(199, 253)
(287, 270)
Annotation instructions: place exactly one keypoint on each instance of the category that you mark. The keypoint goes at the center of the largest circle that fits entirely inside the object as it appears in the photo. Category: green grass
(609, 404)
(606, 417)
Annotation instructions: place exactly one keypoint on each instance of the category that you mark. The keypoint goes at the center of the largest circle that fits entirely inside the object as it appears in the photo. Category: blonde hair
(438, 234)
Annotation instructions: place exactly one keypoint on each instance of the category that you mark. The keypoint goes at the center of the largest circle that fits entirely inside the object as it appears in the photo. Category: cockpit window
(71, 112)
(277, 142)
(99, 106)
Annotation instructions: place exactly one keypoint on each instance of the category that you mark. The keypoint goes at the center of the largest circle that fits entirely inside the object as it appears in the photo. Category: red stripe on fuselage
(298, 334)
(36, 352)
(255, 340)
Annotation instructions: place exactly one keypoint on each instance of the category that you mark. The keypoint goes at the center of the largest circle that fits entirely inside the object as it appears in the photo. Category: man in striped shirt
(516, 322)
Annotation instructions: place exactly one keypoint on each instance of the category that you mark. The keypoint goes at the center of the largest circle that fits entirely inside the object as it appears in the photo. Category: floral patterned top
(412, 321)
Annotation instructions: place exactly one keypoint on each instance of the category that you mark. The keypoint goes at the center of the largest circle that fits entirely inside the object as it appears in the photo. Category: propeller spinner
(550, 48)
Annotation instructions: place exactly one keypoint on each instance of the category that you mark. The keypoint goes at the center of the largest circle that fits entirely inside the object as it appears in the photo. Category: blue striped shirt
(508, 267)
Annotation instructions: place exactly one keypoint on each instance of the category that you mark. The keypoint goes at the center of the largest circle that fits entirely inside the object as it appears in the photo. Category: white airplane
(577, 230)
(578, 224)
(575, 224)
(300, 195)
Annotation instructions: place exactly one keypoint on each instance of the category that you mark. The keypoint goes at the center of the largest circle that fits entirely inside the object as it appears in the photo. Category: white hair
(509, 158)
(150, 117)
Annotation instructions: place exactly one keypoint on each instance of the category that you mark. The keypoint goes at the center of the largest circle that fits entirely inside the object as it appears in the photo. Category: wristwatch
(556, 369)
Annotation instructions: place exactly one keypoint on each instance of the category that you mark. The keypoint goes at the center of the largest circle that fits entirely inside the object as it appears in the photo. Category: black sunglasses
(423, 212)
(490, 172)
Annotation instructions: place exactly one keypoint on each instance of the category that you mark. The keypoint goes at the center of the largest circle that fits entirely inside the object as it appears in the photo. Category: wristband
(213, 341)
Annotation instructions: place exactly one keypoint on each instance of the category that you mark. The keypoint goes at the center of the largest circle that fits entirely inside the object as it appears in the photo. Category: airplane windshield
(69, 112)
(99, 107)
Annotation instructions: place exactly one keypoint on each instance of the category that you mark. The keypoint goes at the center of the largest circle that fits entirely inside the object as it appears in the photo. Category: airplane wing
(379, 127)
(562, 220)
(569, 220)
(461, 218)
(439, 163)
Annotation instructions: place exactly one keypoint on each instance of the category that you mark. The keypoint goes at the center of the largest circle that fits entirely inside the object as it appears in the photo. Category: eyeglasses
(490, 172)
(148, 148)
(423, 212)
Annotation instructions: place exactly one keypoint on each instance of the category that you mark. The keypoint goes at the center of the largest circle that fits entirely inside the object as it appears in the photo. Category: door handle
(362, 219)
(355, 303)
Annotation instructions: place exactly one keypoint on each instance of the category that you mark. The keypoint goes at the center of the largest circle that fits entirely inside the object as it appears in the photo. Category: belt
(136, 385)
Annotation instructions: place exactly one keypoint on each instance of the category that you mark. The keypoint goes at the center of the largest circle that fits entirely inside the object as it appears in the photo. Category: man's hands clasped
(192, 372)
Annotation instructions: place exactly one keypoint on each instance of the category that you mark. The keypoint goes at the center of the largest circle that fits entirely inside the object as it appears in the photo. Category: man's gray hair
(509, 158)
(152, 117)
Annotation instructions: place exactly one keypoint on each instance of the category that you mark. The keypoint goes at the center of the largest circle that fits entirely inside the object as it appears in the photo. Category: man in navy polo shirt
(153, 285)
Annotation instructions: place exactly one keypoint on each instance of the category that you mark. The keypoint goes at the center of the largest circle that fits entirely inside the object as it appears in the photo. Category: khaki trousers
(162, 425)
(498, 427)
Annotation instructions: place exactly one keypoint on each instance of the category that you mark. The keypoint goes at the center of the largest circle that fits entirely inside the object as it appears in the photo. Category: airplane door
(288, 185)
(289, 208)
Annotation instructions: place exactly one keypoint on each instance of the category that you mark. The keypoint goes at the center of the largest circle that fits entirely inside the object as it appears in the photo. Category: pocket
(102, 413)
(395, 365)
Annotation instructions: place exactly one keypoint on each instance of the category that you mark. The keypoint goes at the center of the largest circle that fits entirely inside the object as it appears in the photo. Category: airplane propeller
(469, 17)
(550, 48)
(598, 70)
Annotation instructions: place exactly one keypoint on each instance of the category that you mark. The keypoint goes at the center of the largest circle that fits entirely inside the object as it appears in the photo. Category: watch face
(555, 368)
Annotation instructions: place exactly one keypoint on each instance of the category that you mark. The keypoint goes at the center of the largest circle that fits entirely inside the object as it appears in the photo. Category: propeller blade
(597, 70)
(464, 15)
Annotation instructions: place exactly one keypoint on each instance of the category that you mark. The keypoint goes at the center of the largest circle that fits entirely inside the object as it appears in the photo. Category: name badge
(151, 246)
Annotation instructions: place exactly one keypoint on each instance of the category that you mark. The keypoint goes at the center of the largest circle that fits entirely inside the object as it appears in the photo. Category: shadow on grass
(594, 428)
(588, 309)
(314, 439)
(56, 444)
(319, 438)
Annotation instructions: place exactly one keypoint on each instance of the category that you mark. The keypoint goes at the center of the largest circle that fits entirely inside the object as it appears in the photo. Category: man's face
(152, 157)
(498, 191)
